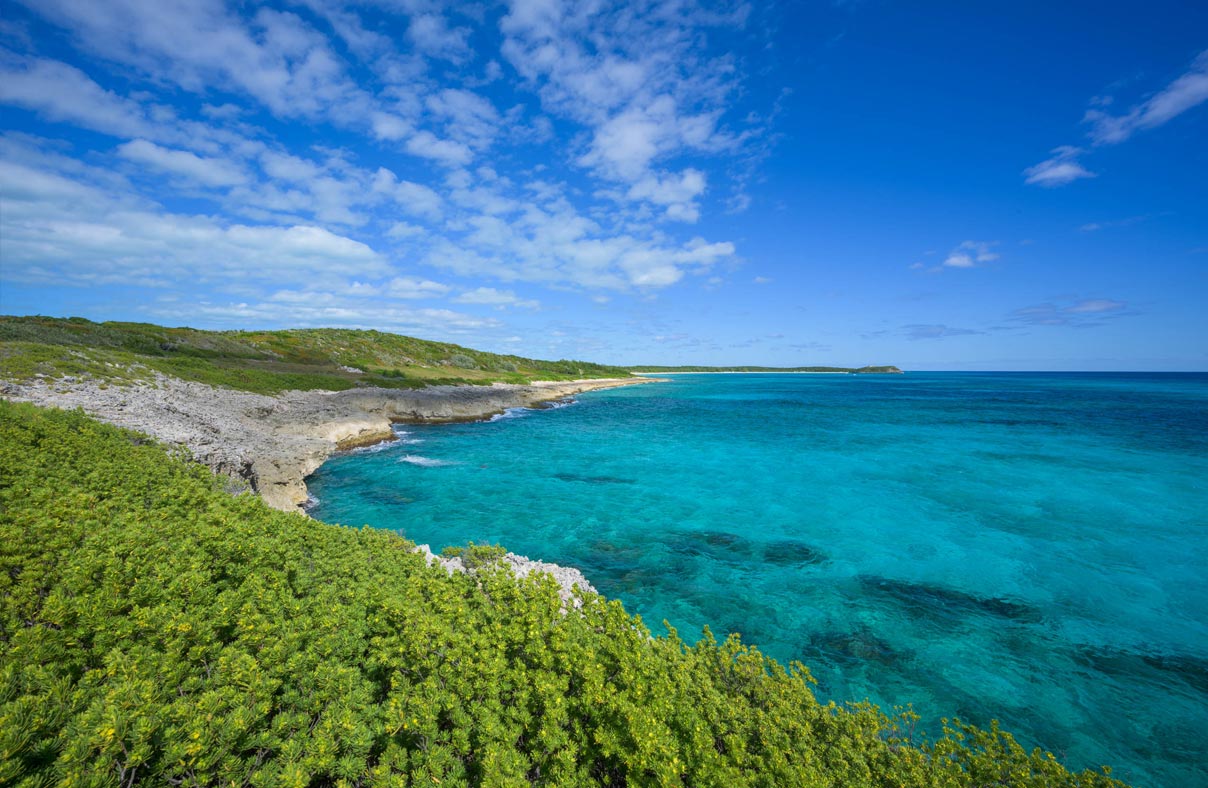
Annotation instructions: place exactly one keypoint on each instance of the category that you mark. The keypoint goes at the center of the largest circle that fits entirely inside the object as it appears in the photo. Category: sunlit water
(1025, 547)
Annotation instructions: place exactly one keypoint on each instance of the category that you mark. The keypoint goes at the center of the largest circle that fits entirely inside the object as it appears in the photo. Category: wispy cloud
(1128, 221)
(936, 331)
(1187, 91)
(1080, 313)
(1059, 169)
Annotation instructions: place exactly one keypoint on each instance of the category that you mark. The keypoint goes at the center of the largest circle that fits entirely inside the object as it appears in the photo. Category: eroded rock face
(274, 443)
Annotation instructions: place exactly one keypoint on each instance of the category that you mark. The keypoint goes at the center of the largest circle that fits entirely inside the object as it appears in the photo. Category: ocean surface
(1027, 547)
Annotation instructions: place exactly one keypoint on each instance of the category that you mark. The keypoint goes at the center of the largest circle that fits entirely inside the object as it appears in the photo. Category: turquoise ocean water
(1027, 547)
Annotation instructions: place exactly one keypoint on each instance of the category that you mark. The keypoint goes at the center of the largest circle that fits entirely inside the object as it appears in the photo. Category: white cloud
(61, 231)
(387, 126)
(491, 297)
(284, 208)
(677, 193)
(322, 311)
(285, 167)
(469, 117)
(1061, 168)
(414, 198)
(642, 81)
(970, 253)
(65, 94)
(208, 171)
(431, 35)
(427, 145)
(405, 230)
(1187, 91)
(556, 245)
(274, 56)
(410, 287)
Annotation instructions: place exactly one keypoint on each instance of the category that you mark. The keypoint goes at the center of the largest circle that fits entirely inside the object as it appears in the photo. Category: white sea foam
(373, 448)
(425, 462)
(510, 413)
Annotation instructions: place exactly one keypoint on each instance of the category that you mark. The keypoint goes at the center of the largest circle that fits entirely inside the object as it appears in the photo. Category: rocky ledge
(274, 443)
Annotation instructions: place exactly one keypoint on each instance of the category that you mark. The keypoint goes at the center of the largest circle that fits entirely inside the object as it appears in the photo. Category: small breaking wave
(403, 436)
(424, 462)
(376, 447)
(510, 413)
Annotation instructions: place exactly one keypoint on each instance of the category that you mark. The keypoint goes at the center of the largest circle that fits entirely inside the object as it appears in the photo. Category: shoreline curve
(273, 443)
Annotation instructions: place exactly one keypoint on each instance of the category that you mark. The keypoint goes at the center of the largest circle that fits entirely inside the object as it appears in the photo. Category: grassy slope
(156, 630)
(261, 361)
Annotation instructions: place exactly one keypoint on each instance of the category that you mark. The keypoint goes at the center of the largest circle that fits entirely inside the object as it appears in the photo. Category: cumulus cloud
(427, 145)
(59, 230)
(970, 254)
(643, 84)
(430, 33)
(274, 56)
(677, 192)
(556, 245)
(63, 93)
(232, 104)
(208, 171)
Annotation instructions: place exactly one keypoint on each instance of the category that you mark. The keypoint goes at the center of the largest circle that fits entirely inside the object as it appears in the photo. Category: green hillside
(155, 630)
(261, 361)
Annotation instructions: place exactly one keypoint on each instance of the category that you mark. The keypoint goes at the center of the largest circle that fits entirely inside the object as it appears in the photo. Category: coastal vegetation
(156, 630)
(265, 362)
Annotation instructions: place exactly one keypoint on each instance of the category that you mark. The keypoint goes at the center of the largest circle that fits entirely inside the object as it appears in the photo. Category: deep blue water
(1030, 547)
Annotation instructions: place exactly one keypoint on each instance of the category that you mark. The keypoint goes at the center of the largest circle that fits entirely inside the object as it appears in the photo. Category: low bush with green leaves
(155, 630)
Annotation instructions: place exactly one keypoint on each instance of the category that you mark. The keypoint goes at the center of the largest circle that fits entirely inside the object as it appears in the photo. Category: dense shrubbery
(154, 629)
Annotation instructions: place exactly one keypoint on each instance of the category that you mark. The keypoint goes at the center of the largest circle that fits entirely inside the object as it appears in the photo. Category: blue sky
(960, 186)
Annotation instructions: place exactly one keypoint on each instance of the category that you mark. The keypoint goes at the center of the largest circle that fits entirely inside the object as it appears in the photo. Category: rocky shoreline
(274, 442)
